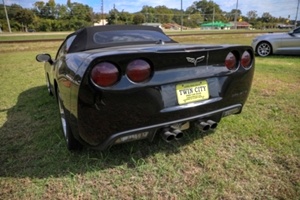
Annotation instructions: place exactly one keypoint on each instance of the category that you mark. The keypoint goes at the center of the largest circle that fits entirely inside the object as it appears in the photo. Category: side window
(65, 47)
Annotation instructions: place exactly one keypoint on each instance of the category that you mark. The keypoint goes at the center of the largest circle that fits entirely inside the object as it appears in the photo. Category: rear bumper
(149, 132)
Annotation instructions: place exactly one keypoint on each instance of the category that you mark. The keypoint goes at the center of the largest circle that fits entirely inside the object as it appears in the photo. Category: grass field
(32, 36)
(254, 155)
(17, 36)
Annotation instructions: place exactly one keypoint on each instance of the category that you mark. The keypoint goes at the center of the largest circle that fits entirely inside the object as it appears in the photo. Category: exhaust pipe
(178, 134)
(212, 124)
(167, 135)
(203, 126)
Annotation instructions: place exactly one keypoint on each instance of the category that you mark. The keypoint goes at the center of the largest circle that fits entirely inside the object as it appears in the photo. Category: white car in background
(278, 43)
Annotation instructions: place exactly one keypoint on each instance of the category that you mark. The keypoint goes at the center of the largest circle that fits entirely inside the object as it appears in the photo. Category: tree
(24, 17)
(38, 7)
(177, 14)
(138, 18)
(252, 15)
(231, 15)
(49, 16)
(81, 12)
(266, 17)
(209, 9)
(52, 8)
(20, 18)
(125, 18)
(163, 14)
(62, 12)
(267, 20)
(112, 17)
(69, 4)
(45, 10)
(193, 20)
(149, 13)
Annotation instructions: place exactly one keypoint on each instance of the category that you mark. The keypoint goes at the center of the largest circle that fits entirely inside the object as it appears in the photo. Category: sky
(277, 8)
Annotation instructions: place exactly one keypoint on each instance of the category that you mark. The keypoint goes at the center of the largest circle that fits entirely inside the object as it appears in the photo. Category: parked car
(116, 84)
(278, 43)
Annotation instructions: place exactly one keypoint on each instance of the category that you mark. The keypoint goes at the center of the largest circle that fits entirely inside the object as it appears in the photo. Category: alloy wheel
(264, 49)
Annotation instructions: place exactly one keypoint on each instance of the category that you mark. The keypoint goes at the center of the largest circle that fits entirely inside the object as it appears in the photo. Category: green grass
(32, 36)
(61, 35)
(220, 39)
(254, 155)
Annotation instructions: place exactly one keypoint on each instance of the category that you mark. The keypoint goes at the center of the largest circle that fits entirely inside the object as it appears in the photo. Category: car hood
(273, 35)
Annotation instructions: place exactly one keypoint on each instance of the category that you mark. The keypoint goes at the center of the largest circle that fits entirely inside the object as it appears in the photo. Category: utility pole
(213, 21)
(297, 14)
(181, 17)
(8, 24)
(235, 16)
(102, 12)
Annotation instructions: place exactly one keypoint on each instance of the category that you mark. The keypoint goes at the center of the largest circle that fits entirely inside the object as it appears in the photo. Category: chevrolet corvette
(116, 84)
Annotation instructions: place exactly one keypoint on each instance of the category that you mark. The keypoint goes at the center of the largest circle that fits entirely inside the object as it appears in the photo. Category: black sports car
(116, 84)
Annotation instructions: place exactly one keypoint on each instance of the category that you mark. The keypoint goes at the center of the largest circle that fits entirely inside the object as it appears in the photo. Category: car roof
(84, 37)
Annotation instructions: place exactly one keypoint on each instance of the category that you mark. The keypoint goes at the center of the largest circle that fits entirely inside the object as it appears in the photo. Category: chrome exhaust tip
(178, 134)
(202, 126)
(212, 124)
(167, 135)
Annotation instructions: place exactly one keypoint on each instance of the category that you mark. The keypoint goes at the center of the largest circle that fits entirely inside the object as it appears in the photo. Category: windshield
(106, 37)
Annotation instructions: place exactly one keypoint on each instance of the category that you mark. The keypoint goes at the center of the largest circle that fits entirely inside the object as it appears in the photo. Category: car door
(290, 43)
(61, 71)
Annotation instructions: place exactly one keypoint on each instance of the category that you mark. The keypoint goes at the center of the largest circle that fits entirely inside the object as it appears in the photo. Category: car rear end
(138, 92)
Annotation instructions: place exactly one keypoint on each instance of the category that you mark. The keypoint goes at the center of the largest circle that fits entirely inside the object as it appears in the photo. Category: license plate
(192, 92)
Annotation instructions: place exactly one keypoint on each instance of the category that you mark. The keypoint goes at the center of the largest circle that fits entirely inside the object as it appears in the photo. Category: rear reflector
(105, 74)
(138, 71)
(129, 138)
(231, 111)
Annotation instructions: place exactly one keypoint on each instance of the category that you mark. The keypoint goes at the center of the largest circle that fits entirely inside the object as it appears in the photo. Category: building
(153, 24)
(240, 25)
(102, 22)
(215, 25)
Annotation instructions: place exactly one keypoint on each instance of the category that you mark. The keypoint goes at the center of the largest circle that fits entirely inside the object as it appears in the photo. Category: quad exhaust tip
(169, 134)
(172, 133)
(205, 126)
(212, 124)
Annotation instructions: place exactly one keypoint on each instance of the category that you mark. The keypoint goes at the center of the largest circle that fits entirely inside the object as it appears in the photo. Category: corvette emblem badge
(195, 61)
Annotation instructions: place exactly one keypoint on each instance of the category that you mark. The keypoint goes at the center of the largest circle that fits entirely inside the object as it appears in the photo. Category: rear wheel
(264, 49)
(72, 143)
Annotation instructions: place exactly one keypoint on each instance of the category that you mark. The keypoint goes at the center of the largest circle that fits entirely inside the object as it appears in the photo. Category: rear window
(124, 36)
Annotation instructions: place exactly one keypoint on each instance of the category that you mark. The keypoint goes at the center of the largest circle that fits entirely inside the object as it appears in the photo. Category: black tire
(72, 143)
(48, 85)
(264, 49)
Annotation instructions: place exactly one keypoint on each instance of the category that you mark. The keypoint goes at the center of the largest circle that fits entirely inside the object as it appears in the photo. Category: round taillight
(105, 74)
(138, 71)
(246, 59)
(230, 61)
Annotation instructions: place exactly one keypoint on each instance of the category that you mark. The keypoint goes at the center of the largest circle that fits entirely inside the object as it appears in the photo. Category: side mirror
(44, 58)
(291, 32)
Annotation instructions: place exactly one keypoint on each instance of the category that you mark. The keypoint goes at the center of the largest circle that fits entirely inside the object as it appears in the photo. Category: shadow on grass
(32, 145)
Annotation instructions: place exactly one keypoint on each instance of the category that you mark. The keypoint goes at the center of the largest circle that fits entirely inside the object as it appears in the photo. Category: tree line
(49, 16)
